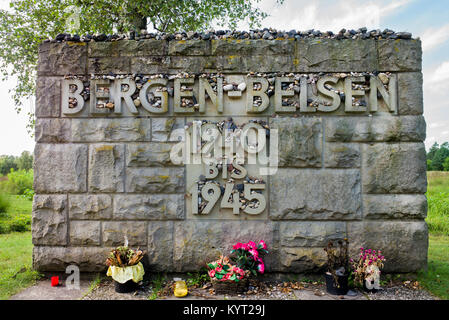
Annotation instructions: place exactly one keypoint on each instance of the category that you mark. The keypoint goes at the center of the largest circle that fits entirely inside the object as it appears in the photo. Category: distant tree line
(438, 157)
(23, 162)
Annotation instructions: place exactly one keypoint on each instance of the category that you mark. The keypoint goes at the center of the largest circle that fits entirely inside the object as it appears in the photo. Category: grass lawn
(15, 263)
(436, 280)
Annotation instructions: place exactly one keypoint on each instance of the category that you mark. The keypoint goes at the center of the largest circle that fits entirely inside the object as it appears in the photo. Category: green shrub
(17, 223)
(4, 204)
(28, 194)
(19, 181)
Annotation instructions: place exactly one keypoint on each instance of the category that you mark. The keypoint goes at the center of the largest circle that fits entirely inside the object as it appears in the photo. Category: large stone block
(376, 129)
(148, 47)
(62, 58)
(410, 92)
(88, 259)
(326, 55)
(49, 222)
(149, 207)
(53, 130)
(111, 130)
(193, 64)
(399, 55)
(342, 155)
(106, 167)
(310, 194)
(261, 63)
(148, 155)
(160, 246)
(395, 206)
(404, 244)
(253, 47)
(105, 65)
(48, 97)
(199, 242)
(394, 168)
(60, 168)
(155, 180)
(310, 234)
(189, 48)
(85, 233)
(302, 260)
(114, 233)
(90, 206)
(150, 65)
(300, 141)
(167, 129)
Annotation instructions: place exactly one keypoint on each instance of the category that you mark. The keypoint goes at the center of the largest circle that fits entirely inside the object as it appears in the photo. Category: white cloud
(327, 15)
(433, 37)
(440, 74)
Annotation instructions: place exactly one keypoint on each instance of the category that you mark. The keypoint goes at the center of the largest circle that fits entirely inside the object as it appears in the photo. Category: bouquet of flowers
(248, 256)
(368, 265)
(223, 270)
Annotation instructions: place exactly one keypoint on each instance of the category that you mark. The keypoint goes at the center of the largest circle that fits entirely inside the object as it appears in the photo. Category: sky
(426, 19)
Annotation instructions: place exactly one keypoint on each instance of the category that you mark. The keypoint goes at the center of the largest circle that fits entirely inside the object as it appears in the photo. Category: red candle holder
(54, 281)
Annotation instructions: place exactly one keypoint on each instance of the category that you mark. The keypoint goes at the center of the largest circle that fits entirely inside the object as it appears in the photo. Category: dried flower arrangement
(337, 259)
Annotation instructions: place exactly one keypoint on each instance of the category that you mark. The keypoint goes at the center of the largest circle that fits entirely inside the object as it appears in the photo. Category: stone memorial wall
(326, 143)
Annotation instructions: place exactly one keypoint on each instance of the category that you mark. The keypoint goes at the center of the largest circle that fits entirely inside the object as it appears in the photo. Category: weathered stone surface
(163, 129)
(149, 47)
(105, 65)
(148, 155)
(300, 141)
(325, 55)
(199, 242)
(376, 129)
(410, 91)
(53, 130)
(149, 207)
(150, 65)
(253, 47)
(62, 58)
(48, 97)
(189, 48)
(302, 259)
(155, 180)
(395, 206)
(315, 194)
(261, 63)
(404, 244)
(49, 222)
(114, 233)
(110, 130)
(106, 168)
(90, 206)
(85, 233)
(193, 63)
(60, 168)
(342, 155)
(88, 259)
(160, 245)
(394, 168)
(310, 234)
(399, 55)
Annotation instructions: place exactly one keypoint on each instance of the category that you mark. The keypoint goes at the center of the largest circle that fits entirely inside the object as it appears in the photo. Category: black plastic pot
(128, 286)
(332, 288)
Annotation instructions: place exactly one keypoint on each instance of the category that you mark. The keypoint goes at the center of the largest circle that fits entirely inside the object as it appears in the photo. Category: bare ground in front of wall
(258, 290)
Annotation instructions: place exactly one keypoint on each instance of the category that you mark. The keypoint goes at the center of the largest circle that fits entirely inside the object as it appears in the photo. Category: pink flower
(261, 268)
(255, 253)
(211, 273)
(263, 244)
(219, 269)
(252, 245)
(237, 246)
